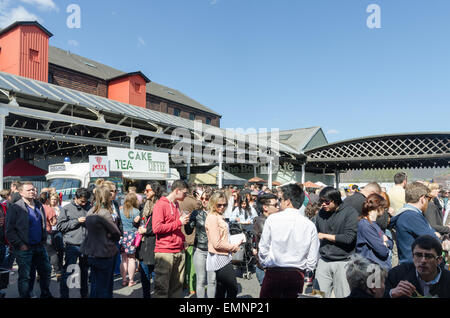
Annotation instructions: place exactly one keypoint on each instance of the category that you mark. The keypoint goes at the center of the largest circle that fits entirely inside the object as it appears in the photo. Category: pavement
(248, 288)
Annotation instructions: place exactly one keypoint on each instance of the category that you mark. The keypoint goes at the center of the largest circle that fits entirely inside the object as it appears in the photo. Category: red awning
(21, 168)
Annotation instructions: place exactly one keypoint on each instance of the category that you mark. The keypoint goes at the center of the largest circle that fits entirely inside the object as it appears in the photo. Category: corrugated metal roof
(69, 96)
(93, 68)
(73, 97)
(295, 139)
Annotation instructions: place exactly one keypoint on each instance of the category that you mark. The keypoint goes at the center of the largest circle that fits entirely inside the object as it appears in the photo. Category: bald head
(371, 188)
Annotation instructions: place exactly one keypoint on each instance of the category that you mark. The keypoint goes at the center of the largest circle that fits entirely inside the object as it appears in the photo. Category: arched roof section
(408, 150)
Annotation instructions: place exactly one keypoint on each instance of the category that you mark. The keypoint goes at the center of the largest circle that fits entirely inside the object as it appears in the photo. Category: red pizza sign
(99, 166)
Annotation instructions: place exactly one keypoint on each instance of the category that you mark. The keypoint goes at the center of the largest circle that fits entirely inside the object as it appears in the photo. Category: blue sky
(274, 63)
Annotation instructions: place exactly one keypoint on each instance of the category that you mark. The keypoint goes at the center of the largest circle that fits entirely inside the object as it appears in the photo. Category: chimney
(129, 88)
(24, 50)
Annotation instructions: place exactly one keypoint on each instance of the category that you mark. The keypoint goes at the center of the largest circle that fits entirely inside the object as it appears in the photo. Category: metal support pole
(254, 171)
(3, 114)
(336, 179)
(188, 169)
(303, 173)
(133, 136)
(220, 181)
(269, 181)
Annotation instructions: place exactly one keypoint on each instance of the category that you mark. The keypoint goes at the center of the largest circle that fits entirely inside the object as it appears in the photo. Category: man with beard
(410, 222)
(423, 277)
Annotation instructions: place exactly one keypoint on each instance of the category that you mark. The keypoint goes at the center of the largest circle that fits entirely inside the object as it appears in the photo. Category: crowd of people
(364, 242)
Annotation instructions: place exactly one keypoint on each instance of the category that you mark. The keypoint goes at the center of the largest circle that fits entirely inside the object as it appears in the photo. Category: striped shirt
(214, 262)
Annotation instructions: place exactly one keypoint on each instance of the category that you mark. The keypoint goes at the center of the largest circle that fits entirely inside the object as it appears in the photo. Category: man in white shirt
(289, 247)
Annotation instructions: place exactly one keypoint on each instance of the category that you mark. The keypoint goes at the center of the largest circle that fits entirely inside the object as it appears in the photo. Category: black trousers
(226, 283)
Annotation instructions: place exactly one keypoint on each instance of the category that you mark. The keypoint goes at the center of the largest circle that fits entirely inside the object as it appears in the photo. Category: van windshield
(66, 186)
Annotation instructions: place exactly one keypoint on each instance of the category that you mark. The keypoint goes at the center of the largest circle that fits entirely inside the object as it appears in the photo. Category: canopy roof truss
(414, 150)
(51, 115)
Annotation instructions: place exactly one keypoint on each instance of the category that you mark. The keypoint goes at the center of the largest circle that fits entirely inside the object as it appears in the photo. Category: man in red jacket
(169, 248)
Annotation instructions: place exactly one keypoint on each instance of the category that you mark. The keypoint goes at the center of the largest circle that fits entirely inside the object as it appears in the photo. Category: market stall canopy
(228, 178)
(211, 177)
(202, 178)
(276, 183)
(21, 168)
(309, 184)
(257, 180)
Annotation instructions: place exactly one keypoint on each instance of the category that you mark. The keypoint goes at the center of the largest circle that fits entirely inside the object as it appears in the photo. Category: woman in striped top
(220, 248)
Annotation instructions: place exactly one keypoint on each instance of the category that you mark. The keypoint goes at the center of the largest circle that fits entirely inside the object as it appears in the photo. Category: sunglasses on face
(205, 199)
(148, 190)
(327, 202)
(428, 256)
(275, 204)
(221, 205)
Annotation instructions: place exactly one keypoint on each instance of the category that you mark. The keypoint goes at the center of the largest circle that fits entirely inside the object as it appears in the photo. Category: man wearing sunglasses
(337, 224)
(266, 204)
(410, 221)
(423, 277)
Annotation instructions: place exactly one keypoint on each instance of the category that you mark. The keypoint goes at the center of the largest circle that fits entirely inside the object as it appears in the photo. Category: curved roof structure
(408, 150)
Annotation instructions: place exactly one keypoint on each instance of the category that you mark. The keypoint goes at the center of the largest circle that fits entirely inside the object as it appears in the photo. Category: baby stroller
(244, 258)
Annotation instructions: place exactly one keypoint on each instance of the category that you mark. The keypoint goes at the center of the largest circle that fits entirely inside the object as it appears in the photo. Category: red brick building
(24, 51)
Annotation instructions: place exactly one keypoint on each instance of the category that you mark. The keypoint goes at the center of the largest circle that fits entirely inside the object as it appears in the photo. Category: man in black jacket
(423, 277)
(337, 224)
(71, 222)
(26, 232)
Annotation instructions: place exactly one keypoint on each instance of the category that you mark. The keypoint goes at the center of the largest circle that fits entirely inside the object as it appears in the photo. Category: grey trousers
(204, 278)
(331, 276)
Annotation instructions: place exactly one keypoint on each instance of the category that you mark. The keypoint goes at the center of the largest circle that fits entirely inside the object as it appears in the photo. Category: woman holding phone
(220, 248)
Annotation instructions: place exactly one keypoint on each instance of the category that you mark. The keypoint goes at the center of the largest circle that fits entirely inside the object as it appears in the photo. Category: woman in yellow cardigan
(220, 248)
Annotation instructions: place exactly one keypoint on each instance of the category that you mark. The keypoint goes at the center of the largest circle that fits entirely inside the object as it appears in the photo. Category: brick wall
(74, 80)
(91, 85)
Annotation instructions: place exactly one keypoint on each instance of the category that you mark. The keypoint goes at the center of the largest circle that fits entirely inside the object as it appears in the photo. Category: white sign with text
(133, 160)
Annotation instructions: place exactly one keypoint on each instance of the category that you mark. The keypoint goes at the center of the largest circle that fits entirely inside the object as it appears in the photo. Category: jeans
(55, 250)
(36, 256)
(146, 277)
(101, 276)
(204, 278)
(72, 256)
(9, 259)
(2, 254)
(260, 275)
(226, 282)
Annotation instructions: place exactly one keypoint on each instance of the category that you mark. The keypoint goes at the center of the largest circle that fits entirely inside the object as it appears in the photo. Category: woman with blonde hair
(57, 236)
(219, 247)
(128, 213)
(100, 244)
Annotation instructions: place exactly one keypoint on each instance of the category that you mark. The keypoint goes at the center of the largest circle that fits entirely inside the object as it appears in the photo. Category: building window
(50, 78)
(192, 116)
(138, 88)
(176, 112)
(34, 55)
(208, 121)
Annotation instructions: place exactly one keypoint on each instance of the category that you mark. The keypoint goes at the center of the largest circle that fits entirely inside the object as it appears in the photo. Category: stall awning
(21, 168)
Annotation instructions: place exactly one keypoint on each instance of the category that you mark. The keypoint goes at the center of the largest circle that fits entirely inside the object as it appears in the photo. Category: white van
(66, 178)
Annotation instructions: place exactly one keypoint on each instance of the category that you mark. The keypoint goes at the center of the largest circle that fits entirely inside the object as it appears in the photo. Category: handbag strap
(148, 221)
